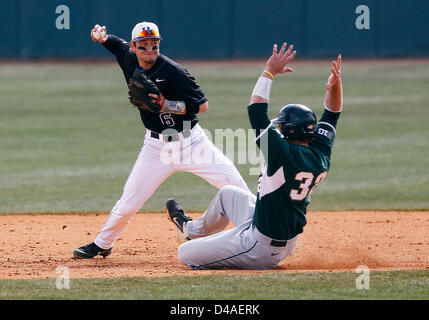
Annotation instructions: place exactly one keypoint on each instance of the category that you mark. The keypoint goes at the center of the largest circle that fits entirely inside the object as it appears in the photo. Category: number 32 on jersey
(306, 179)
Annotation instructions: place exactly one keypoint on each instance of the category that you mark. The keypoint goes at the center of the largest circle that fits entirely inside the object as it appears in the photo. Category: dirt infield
(33, 246)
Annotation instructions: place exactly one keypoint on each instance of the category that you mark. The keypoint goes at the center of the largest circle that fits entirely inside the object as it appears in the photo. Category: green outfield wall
(220, 29)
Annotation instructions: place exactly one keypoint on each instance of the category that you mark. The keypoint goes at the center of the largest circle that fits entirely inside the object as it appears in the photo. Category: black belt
(171, 137)
(276, 243)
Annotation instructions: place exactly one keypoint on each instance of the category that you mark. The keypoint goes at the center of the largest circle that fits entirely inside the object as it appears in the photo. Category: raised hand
(99, 33)
(335, 77)
(277, 63)
(334, 88)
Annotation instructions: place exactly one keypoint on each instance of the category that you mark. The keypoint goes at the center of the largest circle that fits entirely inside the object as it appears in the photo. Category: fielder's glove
(139, 88)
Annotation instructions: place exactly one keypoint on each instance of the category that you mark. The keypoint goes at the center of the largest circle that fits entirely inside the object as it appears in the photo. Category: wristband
(263, 88)
(266, 71)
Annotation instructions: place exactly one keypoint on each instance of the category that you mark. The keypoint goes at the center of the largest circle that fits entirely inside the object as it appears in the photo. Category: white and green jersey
(290, 174)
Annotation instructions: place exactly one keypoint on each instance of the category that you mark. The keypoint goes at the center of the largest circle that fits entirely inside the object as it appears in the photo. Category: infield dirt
(34, 246)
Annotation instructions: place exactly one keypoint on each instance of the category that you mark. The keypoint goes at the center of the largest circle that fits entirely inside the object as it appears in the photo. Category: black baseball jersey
(172, 79)
(290, 174)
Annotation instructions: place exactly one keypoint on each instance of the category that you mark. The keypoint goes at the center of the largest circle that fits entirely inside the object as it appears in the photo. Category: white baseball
(97, 34)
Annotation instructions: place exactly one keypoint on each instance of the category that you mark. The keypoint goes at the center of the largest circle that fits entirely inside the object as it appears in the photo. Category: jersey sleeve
(269, 141)
(324, 135)
(189, 91)
(120, 49)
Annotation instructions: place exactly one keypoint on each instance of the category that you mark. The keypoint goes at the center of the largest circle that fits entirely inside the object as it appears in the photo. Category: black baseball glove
(139, 88)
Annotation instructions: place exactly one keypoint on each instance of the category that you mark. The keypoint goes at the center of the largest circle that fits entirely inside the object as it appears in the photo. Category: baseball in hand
(99, 34)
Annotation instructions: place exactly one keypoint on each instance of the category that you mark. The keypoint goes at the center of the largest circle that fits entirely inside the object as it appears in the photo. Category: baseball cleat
(178, 217)
(90, 251)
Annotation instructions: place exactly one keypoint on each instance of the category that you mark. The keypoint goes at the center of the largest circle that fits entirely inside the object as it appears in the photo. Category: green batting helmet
(298, 122)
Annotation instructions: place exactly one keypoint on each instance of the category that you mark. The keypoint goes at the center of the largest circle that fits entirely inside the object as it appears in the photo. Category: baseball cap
(145, 30)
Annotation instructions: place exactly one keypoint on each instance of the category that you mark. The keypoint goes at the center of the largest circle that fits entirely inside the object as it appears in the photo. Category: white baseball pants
(242, 247)
(155, 163)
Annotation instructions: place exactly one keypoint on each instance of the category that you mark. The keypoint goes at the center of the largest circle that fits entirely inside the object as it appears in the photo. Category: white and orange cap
(145, 30)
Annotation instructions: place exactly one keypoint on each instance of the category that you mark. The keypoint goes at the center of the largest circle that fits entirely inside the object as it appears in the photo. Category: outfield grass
(396, 285)
(69, 137)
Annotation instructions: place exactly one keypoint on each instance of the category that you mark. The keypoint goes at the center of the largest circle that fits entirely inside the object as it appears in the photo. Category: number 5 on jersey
(306, 179)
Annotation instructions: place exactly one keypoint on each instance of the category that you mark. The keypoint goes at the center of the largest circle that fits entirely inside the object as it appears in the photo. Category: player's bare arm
(334, 89)
(204, 107)
(276, 64)
(99, 33)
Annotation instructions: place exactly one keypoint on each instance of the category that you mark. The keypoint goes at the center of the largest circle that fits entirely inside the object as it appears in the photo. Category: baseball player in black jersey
(175, 128)
(297, 158)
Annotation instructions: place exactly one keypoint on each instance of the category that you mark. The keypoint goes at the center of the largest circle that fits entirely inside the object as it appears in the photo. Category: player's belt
(276, 243)
(263, 238)
(171, 137)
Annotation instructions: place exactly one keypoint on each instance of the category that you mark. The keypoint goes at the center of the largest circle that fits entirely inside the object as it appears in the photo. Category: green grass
(69, 137)
(396, 285)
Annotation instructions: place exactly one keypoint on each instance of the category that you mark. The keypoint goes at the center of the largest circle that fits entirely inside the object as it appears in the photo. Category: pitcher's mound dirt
(34, 246)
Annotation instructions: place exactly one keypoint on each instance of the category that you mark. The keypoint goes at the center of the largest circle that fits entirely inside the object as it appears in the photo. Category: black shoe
(178, 217)
(90, 251)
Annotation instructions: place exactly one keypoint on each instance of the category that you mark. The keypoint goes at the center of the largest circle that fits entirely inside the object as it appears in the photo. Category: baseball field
(69, 138)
